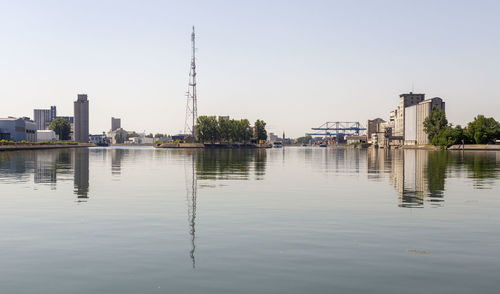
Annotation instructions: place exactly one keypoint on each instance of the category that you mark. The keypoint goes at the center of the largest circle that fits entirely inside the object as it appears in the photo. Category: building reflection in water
(81, 173)
(117, 155)
(419, 176)
(16, 166)
(48, 167)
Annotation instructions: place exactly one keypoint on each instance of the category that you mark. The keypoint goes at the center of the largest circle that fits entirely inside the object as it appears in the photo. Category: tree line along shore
(213, 132)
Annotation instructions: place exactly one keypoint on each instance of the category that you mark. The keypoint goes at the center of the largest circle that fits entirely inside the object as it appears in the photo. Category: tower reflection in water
(191, 192)
(238, 164)
(81, 173)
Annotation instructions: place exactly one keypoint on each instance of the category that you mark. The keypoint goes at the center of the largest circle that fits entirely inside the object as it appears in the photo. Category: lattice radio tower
(192, 100)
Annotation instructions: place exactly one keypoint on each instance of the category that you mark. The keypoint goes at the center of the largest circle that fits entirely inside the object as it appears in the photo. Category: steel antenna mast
(192, 100)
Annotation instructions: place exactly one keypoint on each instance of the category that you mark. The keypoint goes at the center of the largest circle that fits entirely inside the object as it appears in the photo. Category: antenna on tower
(192, 100)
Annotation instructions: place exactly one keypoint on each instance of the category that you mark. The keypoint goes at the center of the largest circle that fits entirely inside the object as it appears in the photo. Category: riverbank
(475, 147)
(132, 145)
(421, 147)
(180, 145)
(213, 146)
(38, 146)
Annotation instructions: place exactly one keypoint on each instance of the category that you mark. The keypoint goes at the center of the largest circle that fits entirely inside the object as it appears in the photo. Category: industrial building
(43, 117)
(81, 117)
(46, 135)
(117, 136)
(415, 115)
(373, 126)
(116, 123)
(406, 122)
(18, 129)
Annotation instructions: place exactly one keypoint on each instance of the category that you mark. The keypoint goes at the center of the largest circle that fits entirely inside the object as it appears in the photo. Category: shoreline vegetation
(481, 131)
(223, 133)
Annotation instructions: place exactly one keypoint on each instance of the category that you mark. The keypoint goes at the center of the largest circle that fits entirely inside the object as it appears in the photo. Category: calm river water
(291, 220)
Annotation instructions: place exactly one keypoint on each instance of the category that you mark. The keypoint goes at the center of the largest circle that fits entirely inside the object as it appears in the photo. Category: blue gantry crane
(338, 129)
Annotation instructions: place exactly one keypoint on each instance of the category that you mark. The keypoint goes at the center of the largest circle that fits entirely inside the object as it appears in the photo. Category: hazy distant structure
(192, 100)
(116, 123)
(81, 118)
(43, 117)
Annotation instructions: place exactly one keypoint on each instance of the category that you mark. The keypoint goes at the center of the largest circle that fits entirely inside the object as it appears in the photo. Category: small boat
(322, 145)
(277, 145)
(304, 145)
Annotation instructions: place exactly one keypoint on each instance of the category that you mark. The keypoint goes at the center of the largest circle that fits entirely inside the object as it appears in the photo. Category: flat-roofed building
(116, 123)
(46, 135)
(18, 129)
(43, 117)
(424, 109)
(405, 100)
(81, 117)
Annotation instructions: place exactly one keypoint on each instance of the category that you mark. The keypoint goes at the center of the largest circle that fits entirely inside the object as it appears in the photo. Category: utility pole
(192, 100)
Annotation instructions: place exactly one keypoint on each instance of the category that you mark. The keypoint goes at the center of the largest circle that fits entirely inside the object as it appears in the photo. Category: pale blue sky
(295, 64)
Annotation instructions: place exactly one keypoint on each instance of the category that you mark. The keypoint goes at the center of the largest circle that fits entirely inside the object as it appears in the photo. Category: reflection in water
(15, 166)
(419, 176)
(117, 155)
(230, 164)
(191, 191)
(217, 165)
(48, 167)
(81, 173)
(260, 164)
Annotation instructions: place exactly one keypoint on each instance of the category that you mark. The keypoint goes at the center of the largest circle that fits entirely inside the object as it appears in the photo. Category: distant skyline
(294, 64)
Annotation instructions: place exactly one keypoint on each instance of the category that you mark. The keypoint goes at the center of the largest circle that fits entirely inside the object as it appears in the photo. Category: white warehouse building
(46, 135)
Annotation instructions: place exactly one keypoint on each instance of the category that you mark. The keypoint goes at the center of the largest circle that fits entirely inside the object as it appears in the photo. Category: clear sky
(294, 64)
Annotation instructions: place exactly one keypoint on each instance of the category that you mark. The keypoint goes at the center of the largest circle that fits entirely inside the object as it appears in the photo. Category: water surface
(291, 220)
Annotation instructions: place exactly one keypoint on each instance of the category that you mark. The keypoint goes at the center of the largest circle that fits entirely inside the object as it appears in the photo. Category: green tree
(304, 140)
(224, 129)
(244, 130)
(435, 123)
(260, 132)
(448, 136)
(61, 127)
(483, 130)
(207, 129)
